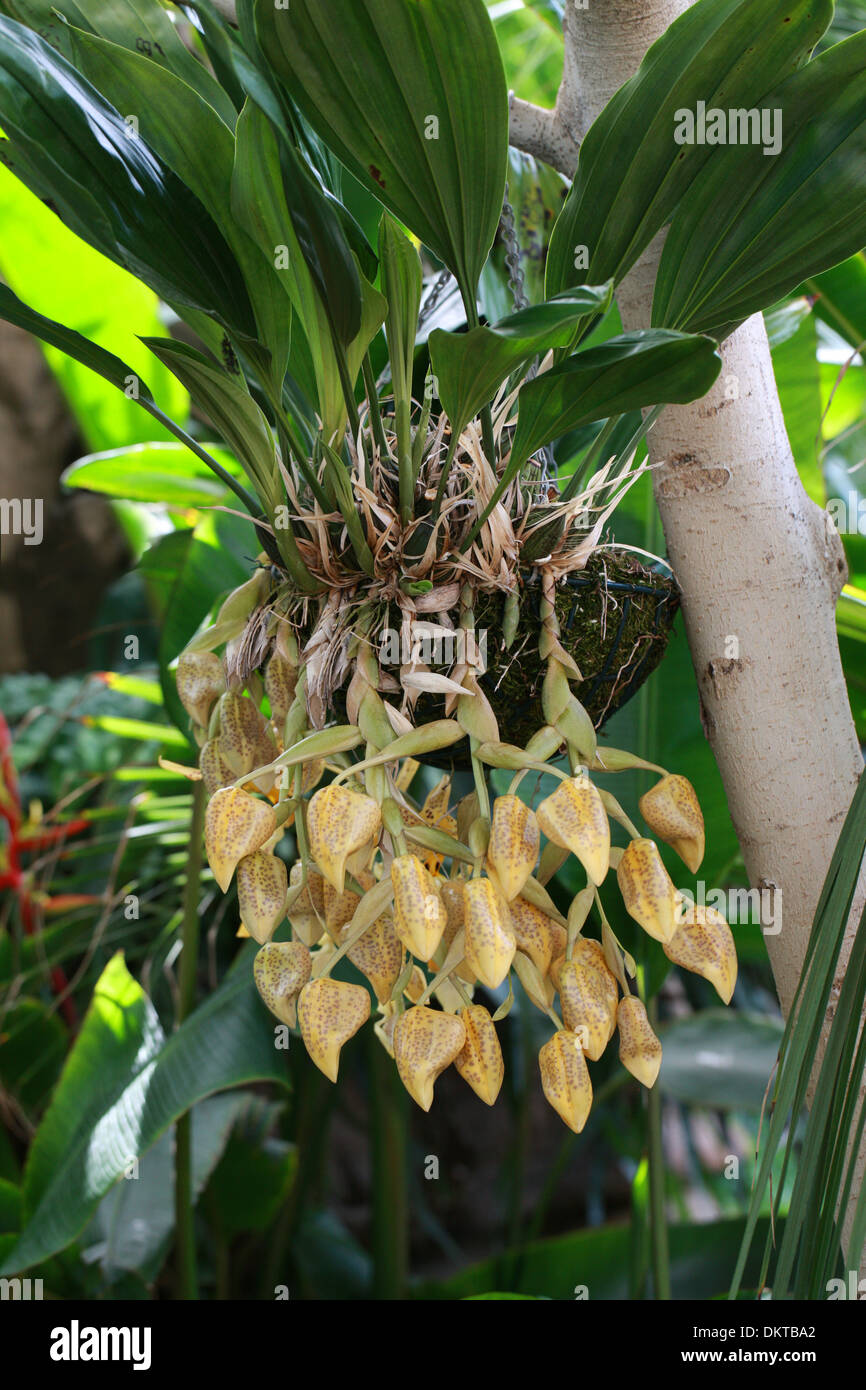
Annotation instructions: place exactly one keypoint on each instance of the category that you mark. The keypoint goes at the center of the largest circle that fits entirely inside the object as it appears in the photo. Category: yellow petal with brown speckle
(565, 1078)
(330, 1013)
(639, 1049)
(425, 1043)
(479, 1061)
(490, 942)
(647, 890)
(262, 883)
(236, 824)
(574, 818)
(672, 811)
(512, 850)
(339, 822)
(704, 944)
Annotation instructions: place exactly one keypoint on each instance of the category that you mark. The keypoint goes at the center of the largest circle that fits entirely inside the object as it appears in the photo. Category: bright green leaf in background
(57, 273)
(123, 1085)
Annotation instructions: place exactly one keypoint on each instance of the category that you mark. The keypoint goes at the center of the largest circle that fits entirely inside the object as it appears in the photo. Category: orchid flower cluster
(434, 903)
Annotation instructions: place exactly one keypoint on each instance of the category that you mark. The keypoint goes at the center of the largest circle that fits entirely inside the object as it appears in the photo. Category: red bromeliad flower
(23, 839)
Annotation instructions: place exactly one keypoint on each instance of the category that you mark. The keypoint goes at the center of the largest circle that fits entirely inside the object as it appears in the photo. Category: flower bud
(379, 956)
(639, 1049)
(647, 891)
(574, 818)
(536, 934)
(513, 846)
(281, 969)
(672, 812)
(330, 1013)
(490, 943)
(306, 905)
(262, 883)
(704, 944)
(419, 913)
(215, 771)
(236, 824)
(480, 1060)
(244, 740)
(565, 1078)
(200, 681)
(281, 677)
(339, 822)
(425, 1043)
(588, 1008)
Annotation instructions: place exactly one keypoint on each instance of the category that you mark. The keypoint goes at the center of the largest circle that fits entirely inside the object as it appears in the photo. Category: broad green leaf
(185, 573)
(413, 100)
(163, 473)
(753, 226)
(32, 1051)
(113, 370)
(795, 367)
(139, 25)
(402, 283)
(226, 401)
(68, 144)
(178, 124)
(132, 1227)
(631, 173)
(254, 1175)
(841, 298)
(598, 1259)
(53, 270)
(122, 1087)
(720, 1057)
(470, 367)
(649, 367)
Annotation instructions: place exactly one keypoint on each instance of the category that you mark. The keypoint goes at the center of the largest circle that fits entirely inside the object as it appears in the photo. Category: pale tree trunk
(759, 564)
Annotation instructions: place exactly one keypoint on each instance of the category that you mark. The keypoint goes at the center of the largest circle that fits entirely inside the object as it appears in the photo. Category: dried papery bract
(512, 850)
(200, 683)
(639, 1049)
(281, 969)
(419, 913)
(490, 943)
(647, 890)
(236, 824)
(565, 1078)
(703, 943)
(480, 1061)
(588, 1009)
(672, 811)
(574, 818)
(262, 883)
(330, 1013)
(340, 822)
(425, 1043)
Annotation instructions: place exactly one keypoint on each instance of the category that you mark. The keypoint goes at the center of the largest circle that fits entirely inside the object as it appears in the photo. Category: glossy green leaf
(166, 474)
(113, 370)
(631, 173)
(53, 270)
(754, 226)
(471, 367)
(649, 367)
(185, 573)
(597, 1260)
(123, 1085)
(67, 143)
(142, 26)
(841, 298)
(226, 401)
(178, 124)
(413, 100)
(132, 1227)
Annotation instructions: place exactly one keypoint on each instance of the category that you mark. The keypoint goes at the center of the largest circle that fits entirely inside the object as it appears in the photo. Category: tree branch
(552, 135)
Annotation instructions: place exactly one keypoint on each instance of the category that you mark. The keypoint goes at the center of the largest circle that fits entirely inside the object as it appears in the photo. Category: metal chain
(432, 301)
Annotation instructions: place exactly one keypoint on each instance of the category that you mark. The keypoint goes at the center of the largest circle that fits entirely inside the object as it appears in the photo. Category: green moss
(615, 618)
